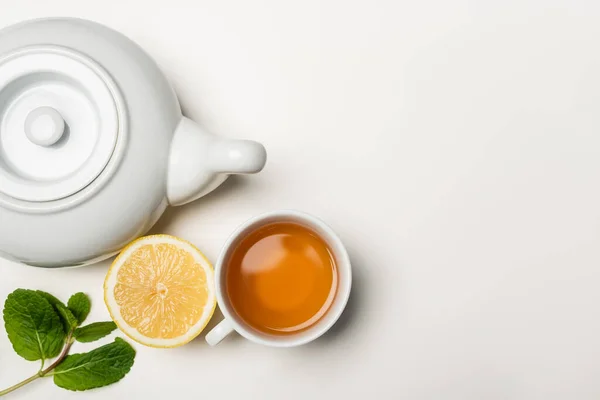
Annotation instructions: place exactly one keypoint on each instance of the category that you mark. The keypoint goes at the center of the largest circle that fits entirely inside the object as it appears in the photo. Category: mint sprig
(41, 327)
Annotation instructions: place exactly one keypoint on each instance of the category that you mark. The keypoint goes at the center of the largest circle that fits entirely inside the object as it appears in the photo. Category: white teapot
(93, 145)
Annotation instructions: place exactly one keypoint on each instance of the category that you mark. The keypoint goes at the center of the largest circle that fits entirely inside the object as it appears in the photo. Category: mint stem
(20, 384)
(42, 373)
(61, 357)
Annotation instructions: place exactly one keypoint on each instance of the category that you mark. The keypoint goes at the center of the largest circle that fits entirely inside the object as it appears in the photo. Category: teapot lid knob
(44, 126)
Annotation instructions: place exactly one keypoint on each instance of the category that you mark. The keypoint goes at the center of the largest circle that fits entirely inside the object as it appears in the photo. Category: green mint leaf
(94, 331)
(100, 367)
(69, 320)
(51, 299)
(80, 305)
(65, 314)
(33, 327)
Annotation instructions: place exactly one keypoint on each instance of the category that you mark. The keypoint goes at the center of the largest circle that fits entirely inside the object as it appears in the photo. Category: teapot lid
(59, 123)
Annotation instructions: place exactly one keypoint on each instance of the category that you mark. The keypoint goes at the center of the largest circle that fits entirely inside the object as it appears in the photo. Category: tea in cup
(282, 279)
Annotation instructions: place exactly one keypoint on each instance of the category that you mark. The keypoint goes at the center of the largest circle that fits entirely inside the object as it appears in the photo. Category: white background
(454, 145)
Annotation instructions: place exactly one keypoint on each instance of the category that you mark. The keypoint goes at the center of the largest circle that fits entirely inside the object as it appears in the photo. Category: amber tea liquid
(281, 278)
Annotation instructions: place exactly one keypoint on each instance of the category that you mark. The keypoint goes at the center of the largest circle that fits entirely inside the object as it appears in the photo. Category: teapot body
(129, 195)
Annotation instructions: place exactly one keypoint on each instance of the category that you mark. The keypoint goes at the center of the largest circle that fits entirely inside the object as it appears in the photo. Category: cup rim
(343, 290)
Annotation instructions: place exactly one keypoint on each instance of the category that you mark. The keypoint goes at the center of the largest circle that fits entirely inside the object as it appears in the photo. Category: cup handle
(219, 332)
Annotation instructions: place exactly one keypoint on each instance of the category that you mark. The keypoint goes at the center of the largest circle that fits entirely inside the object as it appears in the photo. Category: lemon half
(160, 291)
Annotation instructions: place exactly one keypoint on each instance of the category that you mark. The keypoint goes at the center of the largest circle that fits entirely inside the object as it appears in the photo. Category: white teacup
(233, 322)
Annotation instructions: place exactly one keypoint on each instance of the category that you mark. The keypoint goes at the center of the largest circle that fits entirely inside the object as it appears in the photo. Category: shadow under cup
(317, 324)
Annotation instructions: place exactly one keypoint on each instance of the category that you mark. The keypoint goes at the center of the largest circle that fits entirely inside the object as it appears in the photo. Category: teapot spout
(199, 162)
(237, 156)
